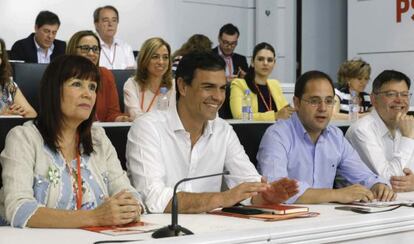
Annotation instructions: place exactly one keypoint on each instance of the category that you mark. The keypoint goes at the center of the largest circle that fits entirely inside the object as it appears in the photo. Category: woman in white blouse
(60, 171)
(141, 92)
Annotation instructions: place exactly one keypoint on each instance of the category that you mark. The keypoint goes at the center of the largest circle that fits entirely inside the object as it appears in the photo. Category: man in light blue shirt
(307, 149)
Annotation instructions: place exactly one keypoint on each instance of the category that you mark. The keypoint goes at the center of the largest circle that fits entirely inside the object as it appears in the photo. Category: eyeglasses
(395, 94)
(86, 49)
(317, 101)
(229, 44)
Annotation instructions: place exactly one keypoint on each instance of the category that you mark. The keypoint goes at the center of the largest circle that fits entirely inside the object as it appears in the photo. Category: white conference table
(332, 225)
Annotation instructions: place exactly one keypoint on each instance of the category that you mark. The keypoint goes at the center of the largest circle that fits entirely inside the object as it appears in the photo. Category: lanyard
(268, 107)
(79, 182)
(113, 58)
(152, 100)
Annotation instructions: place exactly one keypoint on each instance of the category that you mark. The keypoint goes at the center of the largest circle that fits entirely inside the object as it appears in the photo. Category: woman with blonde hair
(12, 100)
(142, 91)
(87, 44)
(353, 76)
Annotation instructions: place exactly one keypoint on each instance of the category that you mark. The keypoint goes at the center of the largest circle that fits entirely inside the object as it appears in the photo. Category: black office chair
(225, 111)
(28, 76)
(135, 54)
(121, 75)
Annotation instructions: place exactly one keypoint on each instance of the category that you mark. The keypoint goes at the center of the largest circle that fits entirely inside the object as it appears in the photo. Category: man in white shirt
(385, 138)
(115, 53)
(189, 140)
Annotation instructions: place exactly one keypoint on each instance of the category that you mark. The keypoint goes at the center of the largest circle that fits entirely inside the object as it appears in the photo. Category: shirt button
(101, 196)
(90, 177)
(39, 182)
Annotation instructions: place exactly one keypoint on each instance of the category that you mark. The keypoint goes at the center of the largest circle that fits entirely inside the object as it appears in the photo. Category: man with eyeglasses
(42, 45)
(385, 138)
(236, 64)
(115, 53)
(307, 149)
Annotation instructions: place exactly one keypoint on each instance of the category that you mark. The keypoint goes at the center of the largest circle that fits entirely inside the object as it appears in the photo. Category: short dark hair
(47, 18)
(229, 29)
(300, 84)
(97, 12)
(50, 118)
(197, 60)
(387, 76)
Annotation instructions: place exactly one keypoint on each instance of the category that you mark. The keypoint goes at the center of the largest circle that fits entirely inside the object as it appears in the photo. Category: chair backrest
(28, 76)
(225, 111)
(122, 75)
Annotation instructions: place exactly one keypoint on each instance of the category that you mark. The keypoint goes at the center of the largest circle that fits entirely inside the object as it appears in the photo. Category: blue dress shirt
(286, 150)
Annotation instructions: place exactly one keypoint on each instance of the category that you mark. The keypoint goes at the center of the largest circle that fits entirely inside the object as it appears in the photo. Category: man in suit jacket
(236, 64)
(40, 46)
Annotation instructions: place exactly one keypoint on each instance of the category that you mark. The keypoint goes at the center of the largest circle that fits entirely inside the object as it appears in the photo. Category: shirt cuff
(157, 201)
(23, 214)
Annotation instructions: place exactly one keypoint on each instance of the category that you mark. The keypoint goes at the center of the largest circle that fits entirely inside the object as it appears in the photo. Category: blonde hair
(146, 52)
(353, 69)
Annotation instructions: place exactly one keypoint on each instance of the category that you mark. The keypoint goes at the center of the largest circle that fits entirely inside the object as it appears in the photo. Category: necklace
(268, 107)
(77, 184)
(113, 57)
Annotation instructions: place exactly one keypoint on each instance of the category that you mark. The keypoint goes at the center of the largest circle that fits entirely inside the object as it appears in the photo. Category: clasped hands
(14, 109)
(121, 208)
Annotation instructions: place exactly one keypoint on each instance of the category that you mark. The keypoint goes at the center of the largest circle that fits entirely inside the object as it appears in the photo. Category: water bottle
(247, 106)
(353, 106)
(163, 100)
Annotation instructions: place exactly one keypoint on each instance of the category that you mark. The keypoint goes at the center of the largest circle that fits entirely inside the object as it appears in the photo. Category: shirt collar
(222, 54)
(379, 123)
(103, 44)
(38, 48)
(177, 125)
(300, 129)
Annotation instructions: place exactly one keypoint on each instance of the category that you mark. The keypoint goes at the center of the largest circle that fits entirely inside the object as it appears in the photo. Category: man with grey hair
(384, 138)
(115, 53)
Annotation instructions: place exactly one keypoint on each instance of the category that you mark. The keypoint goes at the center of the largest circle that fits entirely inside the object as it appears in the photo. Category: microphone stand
(175, 229)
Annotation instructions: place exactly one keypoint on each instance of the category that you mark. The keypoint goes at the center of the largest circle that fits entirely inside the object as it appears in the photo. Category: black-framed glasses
(395, 94)
(86, 48)
(317, 101)
(229, 44)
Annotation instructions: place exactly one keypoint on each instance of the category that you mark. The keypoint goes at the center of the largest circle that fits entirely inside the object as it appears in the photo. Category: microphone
(174, 229)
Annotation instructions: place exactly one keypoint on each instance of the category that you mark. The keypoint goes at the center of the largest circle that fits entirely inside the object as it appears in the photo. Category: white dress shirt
(118, 56)
(159, 154)
(42, 57)
(384, 154)
(133, 96)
